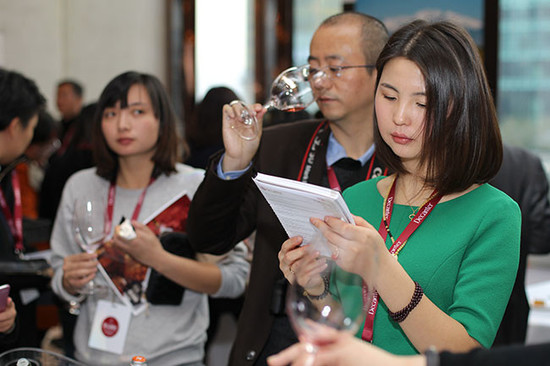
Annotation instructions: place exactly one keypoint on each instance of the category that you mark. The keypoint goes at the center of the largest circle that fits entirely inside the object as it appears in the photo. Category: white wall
(88, 40)
(225, 56)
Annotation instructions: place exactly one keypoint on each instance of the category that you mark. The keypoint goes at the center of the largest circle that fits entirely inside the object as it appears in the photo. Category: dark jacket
(523, 178)
(26, 313)
(224, 212)
(532, 355)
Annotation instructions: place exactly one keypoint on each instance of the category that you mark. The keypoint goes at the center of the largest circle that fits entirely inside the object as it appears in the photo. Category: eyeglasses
(331, 72)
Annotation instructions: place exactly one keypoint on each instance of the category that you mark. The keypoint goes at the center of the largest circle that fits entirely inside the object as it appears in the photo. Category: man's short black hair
(19, 97)
(77, 87)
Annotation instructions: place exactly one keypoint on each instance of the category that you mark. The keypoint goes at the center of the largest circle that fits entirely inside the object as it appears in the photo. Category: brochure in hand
(129, 278)
(294, 203)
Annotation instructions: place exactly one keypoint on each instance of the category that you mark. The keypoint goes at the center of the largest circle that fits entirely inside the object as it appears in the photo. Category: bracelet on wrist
(402, 314)
(323, 294)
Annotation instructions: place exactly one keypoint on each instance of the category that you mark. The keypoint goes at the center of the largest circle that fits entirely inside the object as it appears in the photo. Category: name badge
(110, 327)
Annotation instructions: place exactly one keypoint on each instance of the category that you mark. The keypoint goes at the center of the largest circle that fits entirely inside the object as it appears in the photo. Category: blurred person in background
(523, 178)
(31, 171)
(204, 131)
(70, 94)
(204, 137)
(76, 155)
(20, 104)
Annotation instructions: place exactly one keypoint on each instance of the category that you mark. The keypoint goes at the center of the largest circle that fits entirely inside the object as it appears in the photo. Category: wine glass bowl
(89, 224)
(340, 308)
(89, 228)
(290, 92)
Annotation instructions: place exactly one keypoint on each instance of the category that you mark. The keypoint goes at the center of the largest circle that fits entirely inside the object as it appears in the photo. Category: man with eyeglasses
(336, 152)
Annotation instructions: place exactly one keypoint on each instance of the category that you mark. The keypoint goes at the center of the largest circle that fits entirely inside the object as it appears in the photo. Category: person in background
(70, 96)
(438, 244)
(204, 132)
(8, 326)
(204, 137)
(342, 349)
(31, 171)
(136, 148)
(76, 155)
(20, 104)
(523, 178)
(227, 207)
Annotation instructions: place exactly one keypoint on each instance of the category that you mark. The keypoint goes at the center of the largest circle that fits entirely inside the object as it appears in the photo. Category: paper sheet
(295, 203)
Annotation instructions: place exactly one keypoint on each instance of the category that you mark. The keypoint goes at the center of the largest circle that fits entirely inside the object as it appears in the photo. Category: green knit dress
(464, 255)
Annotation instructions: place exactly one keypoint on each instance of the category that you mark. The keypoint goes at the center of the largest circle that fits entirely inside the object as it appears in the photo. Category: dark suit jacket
(531, 355)
(26, 333)
(224, 212)
(523, 178)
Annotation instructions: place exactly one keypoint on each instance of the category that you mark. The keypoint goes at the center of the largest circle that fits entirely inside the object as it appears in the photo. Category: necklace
(415, 210)
(427, 207)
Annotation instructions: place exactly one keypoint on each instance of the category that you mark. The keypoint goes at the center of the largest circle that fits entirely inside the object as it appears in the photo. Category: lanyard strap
(396, 247)
(15, 221)
(111, 204)
(311, 152)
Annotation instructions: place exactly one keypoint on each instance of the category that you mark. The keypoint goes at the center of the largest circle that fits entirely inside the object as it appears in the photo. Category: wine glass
(290, 92)
(341, 307)
(89, 228)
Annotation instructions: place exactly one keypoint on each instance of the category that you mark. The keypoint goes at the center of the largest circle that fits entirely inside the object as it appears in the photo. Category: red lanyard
(15, 221)
(311, 152)
(333, 180)
(111, 205)
(396, 247)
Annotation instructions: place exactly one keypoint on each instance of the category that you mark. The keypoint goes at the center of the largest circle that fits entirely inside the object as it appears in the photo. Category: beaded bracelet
(402, 314)
(323, 294)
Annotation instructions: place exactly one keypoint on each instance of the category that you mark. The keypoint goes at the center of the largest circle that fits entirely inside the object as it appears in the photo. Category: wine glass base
(310, 348)
(245, 133)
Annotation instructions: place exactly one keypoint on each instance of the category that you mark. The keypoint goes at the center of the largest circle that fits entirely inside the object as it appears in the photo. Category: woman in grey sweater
(136, 148)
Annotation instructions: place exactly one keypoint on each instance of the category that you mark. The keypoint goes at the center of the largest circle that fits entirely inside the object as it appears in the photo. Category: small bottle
(138, 361)
(23, 362)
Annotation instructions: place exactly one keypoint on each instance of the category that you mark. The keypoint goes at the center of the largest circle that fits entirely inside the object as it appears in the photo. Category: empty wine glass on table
(290, 92)
(89, 229)
(340, 307)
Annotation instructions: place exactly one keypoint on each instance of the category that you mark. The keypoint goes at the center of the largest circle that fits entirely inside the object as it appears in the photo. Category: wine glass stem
(311, 354)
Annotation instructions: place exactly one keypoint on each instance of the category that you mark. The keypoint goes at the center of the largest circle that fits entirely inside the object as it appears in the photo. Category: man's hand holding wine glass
(238, 150)
(242, 124)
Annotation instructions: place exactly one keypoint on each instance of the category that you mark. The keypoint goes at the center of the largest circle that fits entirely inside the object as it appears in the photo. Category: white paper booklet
(296, 202)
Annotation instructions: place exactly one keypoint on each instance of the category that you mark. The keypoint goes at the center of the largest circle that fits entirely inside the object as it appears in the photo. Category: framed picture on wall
(466, 13)
(478, 17)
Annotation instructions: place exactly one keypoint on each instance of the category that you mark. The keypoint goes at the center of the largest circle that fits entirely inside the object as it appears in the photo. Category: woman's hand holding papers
(357, 248)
